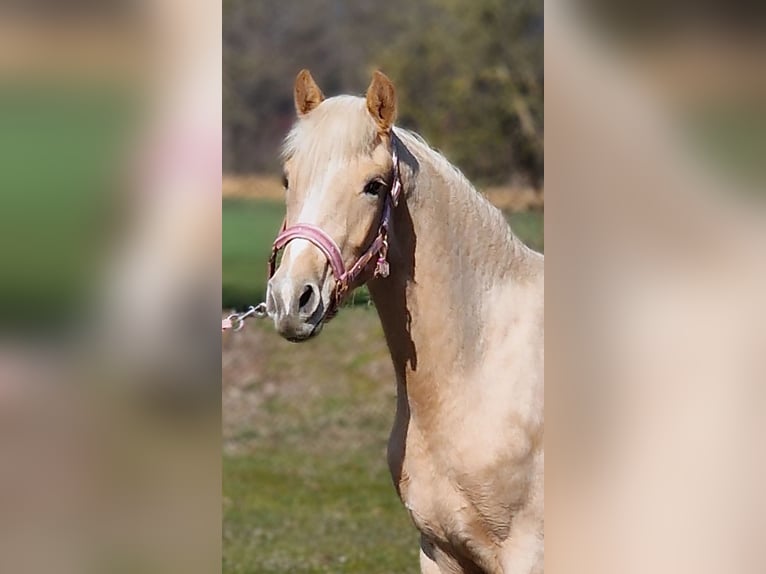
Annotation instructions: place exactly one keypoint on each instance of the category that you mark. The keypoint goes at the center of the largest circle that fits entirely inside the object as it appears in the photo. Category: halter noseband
(344, 278)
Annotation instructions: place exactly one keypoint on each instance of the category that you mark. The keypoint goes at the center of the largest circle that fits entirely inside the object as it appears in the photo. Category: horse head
(341, 183)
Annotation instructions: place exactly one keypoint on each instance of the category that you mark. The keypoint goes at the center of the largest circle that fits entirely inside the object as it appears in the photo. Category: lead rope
(236, 321)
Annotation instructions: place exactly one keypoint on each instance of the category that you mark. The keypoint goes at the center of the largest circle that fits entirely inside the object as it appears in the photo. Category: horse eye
(373, 187)
(284, 181)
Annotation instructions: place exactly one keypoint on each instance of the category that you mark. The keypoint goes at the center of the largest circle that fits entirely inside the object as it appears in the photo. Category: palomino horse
(460, 298)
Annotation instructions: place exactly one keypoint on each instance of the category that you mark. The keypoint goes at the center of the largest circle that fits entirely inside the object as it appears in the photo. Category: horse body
(462, 312)
(463, 318)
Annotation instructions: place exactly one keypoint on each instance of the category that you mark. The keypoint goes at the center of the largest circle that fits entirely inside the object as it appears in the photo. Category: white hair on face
(340, 128)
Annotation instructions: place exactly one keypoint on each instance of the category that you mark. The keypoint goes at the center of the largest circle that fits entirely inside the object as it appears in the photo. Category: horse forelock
(339, 129)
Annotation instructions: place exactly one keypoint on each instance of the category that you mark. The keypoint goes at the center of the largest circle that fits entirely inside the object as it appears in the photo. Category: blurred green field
(250, 225)
(61, 150)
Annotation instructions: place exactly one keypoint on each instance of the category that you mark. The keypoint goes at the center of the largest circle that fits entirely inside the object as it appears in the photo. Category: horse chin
(305, 334)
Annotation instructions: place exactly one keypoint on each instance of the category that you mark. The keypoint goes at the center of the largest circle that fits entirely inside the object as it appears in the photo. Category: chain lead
(236, 321)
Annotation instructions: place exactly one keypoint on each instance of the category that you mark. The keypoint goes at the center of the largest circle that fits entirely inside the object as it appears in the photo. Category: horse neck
(450, 252)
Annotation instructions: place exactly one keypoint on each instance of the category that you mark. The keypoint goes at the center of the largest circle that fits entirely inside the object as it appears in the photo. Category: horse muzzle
(297, 307)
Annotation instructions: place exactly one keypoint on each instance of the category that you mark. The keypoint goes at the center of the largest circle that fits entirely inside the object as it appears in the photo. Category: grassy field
(250, 225)
(306, 486)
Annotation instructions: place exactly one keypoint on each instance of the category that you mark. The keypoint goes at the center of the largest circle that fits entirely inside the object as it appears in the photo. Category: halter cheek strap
(345, 278)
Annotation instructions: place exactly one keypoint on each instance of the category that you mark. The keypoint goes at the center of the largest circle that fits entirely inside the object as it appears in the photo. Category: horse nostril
(306, 297)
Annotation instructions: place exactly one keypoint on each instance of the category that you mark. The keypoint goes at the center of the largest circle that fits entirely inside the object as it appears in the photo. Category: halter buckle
(382, 268)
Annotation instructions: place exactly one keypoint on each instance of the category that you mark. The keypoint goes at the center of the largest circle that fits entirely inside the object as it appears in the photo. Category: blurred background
(306, 484)
(110, 170)
(655, 237)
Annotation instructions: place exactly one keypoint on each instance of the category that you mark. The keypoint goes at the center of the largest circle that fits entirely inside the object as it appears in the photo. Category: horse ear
(381, 101)
(307, 94)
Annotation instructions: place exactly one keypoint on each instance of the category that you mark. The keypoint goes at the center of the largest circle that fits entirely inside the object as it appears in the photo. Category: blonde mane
(464, 196)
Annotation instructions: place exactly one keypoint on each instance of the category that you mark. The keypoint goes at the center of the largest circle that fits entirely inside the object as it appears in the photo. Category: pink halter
(345, 278)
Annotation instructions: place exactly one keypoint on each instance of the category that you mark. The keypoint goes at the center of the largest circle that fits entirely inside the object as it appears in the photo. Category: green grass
(305, 480)
(249, 227)
(287, 512)
(528, 226)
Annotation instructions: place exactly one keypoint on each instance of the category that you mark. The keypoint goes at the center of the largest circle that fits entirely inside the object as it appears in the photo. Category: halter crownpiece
(344, 278)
